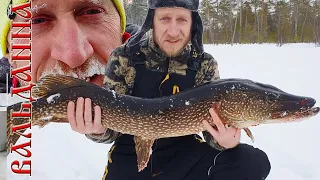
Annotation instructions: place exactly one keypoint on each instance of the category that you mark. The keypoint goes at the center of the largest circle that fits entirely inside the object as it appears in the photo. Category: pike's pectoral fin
(53, 83)
(143, 150)
(249, 133)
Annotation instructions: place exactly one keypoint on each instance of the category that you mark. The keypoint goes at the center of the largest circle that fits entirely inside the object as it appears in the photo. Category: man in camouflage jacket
(145, 69)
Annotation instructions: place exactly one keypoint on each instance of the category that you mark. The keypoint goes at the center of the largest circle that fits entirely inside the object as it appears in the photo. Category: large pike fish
(240, 103)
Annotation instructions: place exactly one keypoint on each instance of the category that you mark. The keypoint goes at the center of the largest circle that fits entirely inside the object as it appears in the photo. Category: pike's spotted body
(241, 103)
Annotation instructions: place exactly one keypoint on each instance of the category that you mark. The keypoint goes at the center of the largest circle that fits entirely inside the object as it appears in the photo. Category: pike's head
(250, 103)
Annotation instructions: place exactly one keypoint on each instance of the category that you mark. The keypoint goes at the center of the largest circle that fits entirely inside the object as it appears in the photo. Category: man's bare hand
(80, 117)
(226, 136)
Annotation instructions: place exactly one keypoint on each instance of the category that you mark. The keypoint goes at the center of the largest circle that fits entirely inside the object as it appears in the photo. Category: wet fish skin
(242, 103)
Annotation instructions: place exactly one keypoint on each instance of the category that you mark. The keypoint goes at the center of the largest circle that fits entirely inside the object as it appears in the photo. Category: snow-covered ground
(293, 149)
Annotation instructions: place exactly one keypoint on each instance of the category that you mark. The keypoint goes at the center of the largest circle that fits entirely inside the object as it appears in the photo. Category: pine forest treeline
(252, 21)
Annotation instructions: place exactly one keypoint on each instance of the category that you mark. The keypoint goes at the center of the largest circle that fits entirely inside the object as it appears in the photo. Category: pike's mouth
(295, 116)
(299, 113)
(96, 79)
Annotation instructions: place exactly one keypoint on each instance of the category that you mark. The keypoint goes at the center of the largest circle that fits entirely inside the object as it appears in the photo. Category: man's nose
(71, 45)
(173, 29)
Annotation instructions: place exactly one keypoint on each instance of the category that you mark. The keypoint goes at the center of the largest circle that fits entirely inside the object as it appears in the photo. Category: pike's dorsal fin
(249, 133)
(143, 150)
(51, 84)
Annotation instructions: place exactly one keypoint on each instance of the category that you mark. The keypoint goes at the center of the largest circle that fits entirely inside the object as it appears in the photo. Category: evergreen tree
(250, 21)
(136, 11)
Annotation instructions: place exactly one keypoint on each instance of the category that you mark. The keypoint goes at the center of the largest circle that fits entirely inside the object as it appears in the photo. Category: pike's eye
(271, 97)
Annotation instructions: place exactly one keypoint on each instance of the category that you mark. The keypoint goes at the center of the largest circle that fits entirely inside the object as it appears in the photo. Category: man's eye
(182, 20)
(164, 18)
(92, 11)
(38, 20)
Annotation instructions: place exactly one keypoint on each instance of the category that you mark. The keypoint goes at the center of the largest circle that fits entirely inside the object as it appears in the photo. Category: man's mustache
(88, 69)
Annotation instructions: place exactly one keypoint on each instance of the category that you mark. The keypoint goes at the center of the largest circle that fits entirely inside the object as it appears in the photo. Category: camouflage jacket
(120, 76)
(4, 71)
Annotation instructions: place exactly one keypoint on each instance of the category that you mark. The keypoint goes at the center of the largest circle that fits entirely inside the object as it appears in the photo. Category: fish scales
(240, 103)
(154, 123)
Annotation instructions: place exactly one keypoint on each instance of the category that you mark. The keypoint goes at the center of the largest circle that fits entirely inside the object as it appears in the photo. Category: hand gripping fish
(240, 103)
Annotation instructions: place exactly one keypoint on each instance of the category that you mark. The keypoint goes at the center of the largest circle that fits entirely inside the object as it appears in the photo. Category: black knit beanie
(196, 28)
